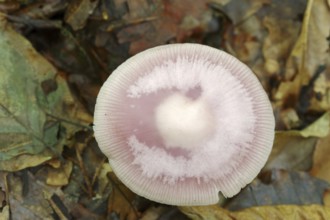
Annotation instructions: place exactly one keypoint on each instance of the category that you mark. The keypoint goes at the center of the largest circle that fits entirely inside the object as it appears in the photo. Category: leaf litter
(56, 54)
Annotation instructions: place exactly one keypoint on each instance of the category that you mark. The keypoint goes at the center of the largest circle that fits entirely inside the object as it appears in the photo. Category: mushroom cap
(181, 122)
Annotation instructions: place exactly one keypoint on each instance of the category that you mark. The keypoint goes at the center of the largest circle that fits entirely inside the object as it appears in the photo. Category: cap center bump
(183, 122)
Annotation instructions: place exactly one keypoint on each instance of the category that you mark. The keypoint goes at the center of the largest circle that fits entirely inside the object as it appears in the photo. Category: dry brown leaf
(102, 179)
(280, 187)
(172, 20)
(120, 200)
(310, 51)
(137, 8)
(290, 118)
(321, 88)
(291, 151)
(326, 198)
(321, 161)
(4, 196)
(282, 34)
(154, 213)
(244, 41)
(264, 34)
(163, 212)
(28, 197)
(78, 12)
(294, 149)
(240, 10)
(287, 212)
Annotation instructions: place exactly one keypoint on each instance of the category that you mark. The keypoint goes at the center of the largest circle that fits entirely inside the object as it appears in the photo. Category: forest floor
(56, 54)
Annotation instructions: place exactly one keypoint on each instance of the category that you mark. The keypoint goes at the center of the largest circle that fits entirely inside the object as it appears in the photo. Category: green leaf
(37, 110)
(22, 70)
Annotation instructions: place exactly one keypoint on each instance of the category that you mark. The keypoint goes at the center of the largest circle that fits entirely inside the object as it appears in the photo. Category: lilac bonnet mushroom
(182, 122)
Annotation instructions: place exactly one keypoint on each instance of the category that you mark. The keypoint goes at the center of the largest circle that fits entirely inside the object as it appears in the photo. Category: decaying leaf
(286, 43)
(264, 38)
(280, 187)
(23, 161)
(5, 214)
(326, 198)
(4, 197)
(283, 31)
(321, 162)
(121, 199)
(310, 51)
(291, 151)
(287, 212)
(35, 103)
(161, 23)
(294, 149)
(78, 12)
(23, 122)
(164, 213)
(28, 197)
(59, 176)
(320, 128)
(102, 179)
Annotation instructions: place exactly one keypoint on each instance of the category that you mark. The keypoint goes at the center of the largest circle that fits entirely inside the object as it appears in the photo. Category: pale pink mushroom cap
(181, 122)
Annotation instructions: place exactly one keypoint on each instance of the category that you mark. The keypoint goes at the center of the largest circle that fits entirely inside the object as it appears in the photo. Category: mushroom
(181, 122)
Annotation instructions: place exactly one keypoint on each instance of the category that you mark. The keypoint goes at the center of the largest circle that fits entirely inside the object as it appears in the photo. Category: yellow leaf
(59, 176)
(320, 128)
(309, 52)
(25, 160)
(287, 212)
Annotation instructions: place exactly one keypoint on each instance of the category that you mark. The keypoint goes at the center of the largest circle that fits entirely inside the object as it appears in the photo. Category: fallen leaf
(174, 21)
(310, 50)
(102, 179)
(59, 176)
(321, 162)
(320, 128)
(326, 198)
(28, 197)
(321, 97)
(240, 10)
(262, 35)
(280, 187)
(282, 34)
(163, 213)
(23, 161)
(291, 151)
(78, 12)
(37, 110)
(308, 54)
(41, 10)
(290, 118)
(4, 197)
(287, 212)
(23, 121)
(5, 213)
(294, 149)
(120, 200)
